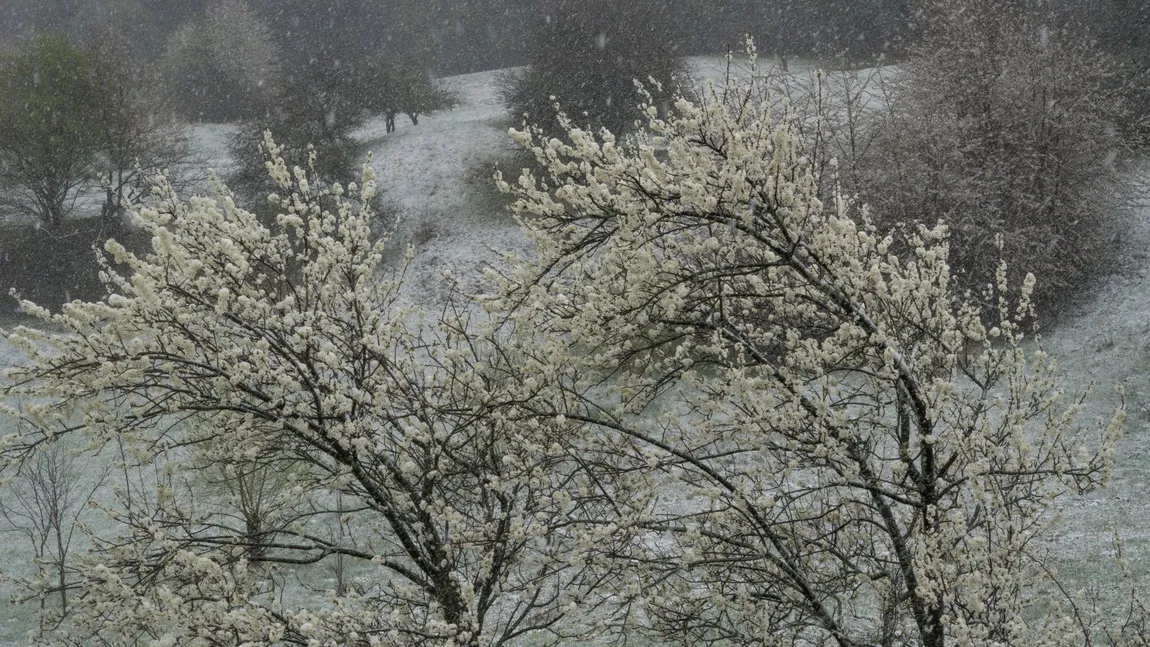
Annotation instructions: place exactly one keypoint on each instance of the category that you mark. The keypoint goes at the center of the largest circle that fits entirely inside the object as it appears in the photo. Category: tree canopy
(52, 106)
(586, 56)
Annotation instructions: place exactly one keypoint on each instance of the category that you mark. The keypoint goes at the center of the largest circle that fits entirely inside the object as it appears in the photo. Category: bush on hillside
(1006, 124)
(390, 88)
(587, 56)
(1122, 30)
(315, 110)
(1007, 128)
(222, 67)
(320, 104)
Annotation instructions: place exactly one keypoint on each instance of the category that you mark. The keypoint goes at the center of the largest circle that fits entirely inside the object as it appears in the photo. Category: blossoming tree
(827, 444)
(398, 441)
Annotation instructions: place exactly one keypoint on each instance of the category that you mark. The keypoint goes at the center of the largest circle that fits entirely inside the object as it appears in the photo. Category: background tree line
(91, 114)
(83, 128)
(454, 37)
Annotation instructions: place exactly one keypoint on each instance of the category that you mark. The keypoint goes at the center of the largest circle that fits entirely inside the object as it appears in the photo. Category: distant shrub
(316, 108)
(1007, 124)
(391, 88)
(587, 55)
(223, 67)
(1007, 128)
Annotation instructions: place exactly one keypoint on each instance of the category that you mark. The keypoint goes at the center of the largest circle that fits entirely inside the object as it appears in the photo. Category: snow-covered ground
(1104, 343)
(437, 177)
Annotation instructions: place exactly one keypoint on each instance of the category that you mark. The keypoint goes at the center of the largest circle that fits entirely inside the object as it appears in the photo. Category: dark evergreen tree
(587, 55)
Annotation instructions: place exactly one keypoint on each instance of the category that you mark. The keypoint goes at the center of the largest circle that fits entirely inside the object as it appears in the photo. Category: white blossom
(824, 443)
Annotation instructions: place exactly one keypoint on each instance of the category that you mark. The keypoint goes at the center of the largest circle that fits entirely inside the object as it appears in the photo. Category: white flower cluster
(282, 358)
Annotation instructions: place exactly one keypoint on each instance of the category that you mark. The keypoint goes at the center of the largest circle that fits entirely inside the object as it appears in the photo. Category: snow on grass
(438, 176)
(211, 144)
(1103, 343)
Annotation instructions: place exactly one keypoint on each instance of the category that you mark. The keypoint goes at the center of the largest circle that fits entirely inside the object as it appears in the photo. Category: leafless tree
(140, 133)
(1008, 124)
(45, 502)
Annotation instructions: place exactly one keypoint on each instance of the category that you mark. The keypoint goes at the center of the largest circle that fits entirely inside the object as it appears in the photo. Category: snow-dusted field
(436, 176)
(1104, 343)
(439, 176)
